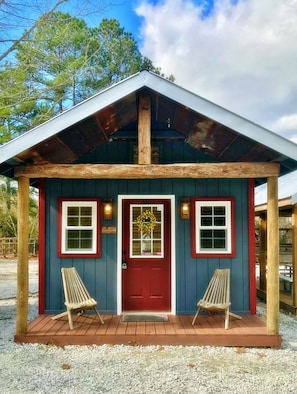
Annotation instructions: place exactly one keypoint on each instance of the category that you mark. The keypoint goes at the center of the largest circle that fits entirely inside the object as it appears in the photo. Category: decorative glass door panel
(146, 259)
(147, 231)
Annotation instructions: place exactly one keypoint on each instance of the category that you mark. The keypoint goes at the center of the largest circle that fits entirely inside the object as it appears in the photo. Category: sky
(239, 54)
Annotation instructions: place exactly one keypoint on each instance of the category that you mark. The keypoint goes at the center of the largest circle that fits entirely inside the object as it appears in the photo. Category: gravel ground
(33, 368)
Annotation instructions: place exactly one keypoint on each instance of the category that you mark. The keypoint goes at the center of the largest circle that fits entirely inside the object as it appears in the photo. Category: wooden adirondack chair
(217, 296)
(77, 297)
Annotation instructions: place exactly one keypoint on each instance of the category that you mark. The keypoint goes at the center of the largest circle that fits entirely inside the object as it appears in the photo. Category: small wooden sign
(109, 230)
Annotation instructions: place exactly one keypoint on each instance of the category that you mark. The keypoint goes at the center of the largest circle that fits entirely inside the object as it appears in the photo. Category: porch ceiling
(170, 120)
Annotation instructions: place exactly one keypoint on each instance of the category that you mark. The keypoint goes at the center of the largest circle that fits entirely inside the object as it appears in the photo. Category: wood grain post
(23, 256)
(144, 130)
(294, 252)
(272, 301)
(148, 171)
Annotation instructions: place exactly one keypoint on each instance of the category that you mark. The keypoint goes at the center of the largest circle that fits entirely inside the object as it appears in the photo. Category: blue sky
(124, 12)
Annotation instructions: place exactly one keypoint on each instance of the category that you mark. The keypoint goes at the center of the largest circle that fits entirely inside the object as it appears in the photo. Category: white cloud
(243, 56)
(288, 123)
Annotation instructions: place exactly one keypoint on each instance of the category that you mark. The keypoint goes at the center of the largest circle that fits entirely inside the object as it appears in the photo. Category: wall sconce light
(185, 208)
(107, 209)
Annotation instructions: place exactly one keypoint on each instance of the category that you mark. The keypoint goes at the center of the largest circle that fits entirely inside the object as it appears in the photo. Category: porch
(250, 331)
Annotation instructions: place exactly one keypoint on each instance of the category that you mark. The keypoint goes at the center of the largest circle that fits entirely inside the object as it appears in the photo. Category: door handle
(124, 261)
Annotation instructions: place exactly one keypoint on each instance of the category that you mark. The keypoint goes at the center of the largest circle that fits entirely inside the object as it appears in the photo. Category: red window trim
(99, 228)
(193, 228)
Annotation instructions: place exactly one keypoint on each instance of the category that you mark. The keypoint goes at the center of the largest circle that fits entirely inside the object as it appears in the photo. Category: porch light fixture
(185, 208)
(107, 209)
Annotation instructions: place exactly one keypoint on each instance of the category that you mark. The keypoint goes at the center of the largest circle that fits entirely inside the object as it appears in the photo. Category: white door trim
(119, 246)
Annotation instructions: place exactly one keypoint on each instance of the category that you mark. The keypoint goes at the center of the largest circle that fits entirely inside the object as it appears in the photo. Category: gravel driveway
(8, 275)
(33, 368)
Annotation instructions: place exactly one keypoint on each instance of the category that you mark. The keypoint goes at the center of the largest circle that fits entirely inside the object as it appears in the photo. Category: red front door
(146, 262)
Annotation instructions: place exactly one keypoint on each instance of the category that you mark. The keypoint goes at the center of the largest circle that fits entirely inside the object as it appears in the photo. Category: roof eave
(69, 117)
(224, 117)
(162, 86)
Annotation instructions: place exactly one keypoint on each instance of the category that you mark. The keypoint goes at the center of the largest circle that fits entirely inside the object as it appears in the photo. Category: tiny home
(147, 188)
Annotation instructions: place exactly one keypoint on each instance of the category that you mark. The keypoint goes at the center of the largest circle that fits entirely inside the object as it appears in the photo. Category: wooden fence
(9, 247)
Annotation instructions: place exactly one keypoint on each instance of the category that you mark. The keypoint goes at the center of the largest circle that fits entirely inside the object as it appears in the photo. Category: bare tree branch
(12, 13)
(27, 32)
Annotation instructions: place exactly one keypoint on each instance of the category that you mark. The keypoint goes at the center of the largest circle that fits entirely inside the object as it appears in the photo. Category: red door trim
(146, 266)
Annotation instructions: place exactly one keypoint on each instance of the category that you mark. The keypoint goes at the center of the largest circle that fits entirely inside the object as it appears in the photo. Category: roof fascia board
(294, 199)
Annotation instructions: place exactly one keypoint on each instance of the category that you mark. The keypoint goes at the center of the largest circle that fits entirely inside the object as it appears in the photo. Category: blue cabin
(147, 188)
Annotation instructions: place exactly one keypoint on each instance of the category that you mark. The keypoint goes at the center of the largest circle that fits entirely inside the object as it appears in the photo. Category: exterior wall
(192, 274)
(122, 152)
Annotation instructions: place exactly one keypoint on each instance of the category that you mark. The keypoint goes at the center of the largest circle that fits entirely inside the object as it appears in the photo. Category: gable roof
(176, 113)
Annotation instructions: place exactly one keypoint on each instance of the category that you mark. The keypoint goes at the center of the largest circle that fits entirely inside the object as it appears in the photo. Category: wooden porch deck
(250, 331)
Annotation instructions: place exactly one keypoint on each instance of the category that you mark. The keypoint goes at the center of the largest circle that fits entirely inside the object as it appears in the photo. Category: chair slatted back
(217, 296)
(75, 290)
(218, 290)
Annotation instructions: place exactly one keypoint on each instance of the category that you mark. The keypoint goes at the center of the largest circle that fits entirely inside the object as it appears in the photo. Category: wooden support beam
(272, 300)
(134, 171)
(144, 130)
(294, 252)
(23, 256)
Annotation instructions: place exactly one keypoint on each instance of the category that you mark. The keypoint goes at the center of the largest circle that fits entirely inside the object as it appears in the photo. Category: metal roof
(176, 113)
(287, 188)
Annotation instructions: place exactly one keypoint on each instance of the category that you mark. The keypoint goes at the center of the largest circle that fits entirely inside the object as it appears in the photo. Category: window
(79, 227)
(147, 231)
(213, 228)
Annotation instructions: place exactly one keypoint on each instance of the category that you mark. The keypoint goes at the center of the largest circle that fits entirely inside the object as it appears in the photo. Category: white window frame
(93, 227)
(228, 227)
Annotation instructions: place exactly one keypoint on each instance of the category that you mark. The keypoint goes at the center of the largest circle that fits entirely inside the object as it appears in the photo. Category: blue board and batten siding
(192, 274)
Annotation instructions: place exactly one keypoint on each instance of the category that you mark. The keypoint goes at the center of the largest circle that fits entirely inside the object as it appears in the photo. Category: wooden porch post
(272, 301)
(294, 252)
(144, 130)
(23, 255)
